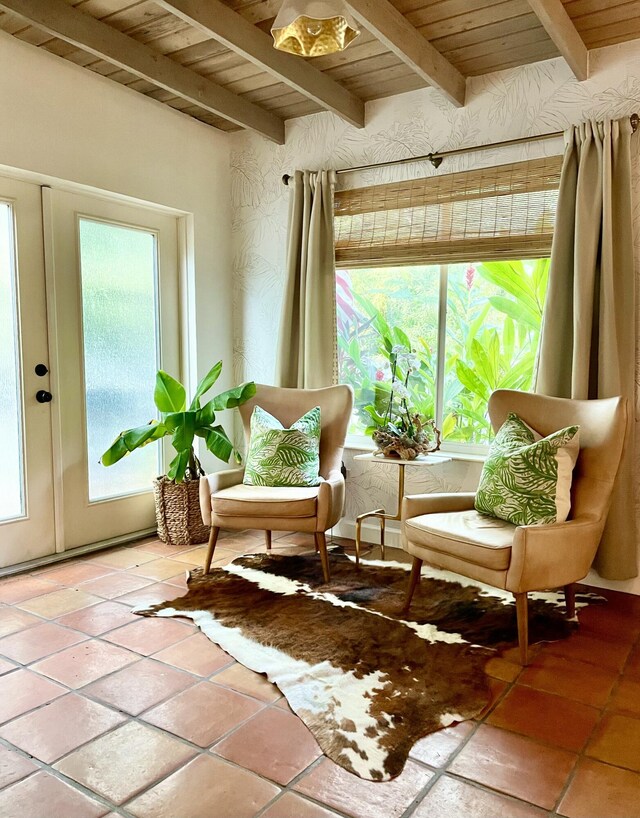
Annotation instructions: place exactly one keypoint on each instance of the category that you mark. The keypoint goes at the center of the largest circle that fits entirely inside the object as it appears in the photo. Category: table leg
(400, 491)
(359, 520)
(381, 514)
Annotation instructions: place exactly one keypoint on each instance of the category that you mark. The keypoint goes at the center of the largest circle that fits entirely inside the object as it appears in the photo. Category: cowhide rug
(367, 683)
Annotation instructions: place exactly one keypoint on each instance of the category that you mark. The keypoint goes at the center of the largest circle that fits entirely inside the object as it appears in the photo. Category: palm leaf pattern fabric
(519, 481)
(283, 457)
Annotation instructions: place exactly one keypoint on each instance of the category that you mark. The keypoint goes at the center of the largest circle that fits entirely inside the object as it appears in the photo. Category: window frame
(459, 451)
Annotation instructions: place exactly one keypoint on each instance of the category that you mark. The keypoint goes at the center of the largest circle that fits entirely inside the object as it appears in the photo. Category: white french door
(116, 320)
(26, 468)
(84, 325)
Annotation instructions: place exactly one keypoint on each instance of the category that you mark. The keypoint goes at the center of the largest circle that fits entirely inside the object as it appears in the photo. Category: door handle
(42, 396)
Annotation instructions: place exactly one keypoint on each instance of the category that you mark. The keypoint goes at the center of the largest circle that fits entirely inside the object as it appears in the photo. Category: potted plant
(177, 493)
(401, 432)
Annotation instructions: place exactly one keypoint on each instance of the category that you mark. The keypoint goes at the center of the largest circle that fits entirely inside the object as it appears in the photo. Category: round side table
(380, 513)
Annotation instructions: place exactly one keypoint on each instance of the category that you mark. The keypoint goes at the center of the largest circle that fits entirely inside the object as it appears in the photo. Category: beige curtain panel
(307, 344)
(587, 347)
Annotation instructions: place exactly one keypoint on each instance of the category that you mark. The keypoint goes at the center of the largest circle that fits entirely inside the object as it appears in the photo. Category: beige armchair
(227, 503)
(444, 531)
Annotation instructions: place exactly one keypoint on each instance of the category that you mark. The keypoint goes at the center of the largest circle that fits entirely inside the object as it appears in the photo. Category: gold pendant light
(311, 28)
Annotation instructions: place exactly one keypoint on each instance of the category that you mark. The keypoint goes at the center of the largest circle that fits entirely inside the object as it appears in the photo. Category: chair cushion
(264, 501)
(526, 479)
(283, 457)
(471, 536)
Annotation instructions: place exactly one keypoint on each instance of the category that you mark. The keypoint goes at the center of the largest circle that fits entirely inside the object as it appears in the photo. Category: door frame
(187, 344)
(54, 358)
(184, 290)
(36, 524)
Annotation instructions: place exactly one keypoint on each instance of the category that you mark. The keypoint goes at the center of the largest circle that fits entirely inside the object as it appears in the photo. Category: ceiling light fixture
(312, 28)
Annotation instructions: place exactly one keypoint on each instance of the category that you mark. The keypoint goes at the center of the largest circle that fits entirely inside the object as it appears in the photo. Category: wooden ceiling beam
(220, 22)
(393, 29)
(59, 19)
(560, 28)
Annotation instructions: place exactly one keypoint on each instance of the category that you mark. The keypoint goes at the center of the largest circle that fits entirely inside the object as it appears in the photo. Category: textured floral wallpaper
(519, 102)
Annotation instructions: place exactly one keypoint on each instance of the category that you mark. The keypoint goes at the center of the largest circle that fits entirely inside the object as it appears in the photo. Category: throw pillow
(526, 479)
(283, 457)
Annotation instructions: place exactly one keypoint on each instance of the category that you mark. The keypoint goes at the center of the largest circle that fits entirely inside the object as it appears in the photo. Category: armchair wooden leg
(414, 579)
(522, 613)
(267, 539)
(570, 599)
(213, 538)
(321, 546)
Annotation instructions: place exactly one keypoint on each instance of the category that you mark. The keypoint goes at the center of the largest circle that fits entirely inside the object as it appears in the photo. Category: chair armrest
(331, 493)
(211, 483)
(413, 505)
(550, 556)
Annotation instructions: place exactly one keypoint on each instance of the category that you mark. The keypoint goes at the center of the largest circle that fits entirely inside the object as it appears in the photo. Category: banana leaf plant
(183, 424)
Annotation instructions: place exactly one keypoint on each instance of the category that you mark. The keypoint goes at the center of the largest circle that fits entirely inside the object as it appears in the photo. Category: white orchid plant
(401, 359)
(402, 432)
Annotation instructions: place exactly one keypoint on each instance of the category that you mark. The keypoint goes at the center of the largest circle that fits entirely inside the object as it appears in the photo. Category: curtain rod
(436, 158)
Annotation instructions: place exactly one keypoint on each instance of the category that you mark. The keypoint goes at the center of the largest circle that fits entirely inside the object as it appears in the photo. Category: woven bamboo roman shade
(507, 211)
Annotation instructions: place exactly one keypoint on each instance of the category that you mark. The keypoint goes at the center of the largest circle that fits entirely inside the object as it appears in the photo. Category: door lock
(42, 396)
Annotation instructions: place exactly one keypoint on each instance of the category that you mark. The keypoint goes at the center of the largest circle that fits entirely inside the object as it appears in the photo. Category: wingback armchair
(446, 532)
(227, 503)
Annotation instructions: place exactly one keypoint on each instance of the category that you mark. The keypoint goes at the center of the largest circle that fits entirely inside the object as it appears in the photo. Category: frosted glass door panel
(119, 263)
(120, 336)
(11, 440)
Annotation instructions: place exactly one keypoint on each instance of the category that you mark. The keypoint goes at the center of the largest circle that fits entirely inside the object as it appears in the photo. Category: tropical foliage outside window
(492, 316)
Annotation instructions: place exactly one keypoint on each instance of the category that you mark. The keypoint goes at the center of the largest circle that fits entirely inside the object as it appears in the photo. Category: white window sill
(361, 443)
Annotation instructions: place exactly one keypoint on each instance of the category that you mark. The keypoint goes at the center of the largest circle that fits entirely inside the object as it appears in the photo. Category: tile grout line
(444, 770)
(236, 727)
(51, 770)
(140, 657)
(437, 773)
(289, 788)
(582, 754)
(84, 693)
(136, 718)
(30, 666)
(130, 718)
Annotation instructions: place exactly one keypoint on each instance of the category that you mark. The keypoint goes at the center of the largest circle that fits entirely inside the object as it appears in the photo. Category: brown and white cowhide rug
(367, 683)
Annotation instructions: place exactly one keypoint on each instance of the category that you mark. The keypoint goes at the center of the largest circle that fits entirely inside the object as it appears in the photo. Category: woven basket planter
(178, 512)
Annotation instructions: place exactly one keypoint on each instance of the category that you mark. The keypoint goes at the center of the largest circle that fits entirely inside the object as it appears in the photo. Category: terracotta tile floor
(103, 714)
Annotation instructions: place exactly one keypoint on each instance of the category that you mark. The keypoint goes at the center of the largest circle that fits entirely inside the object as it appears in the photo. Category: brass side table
(380, 513)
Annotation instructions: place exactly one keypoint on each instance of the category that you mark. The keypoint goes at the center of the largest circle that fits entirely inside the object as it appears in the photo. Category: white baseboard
(370, 532)
(628, 586)
(60, 556)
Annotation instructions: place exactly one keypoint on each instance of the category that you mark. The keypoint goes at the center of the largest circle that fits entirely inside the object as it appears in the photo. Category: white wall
(519, 102)
(63, 122)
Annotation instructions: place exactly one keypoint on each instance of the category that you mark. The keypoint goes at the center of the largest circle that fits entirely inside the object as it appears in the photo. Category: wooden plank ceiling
(473, 36)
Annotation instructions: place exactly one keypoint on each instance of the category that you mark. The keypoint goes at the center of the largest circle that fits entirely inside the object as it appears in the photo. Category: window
(455, 267)
(474, 326)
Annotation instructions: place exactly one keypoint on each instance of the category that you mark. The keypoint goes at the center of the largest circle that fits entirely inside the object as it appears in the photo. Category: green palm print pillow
(526, 478)
(283, 457)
